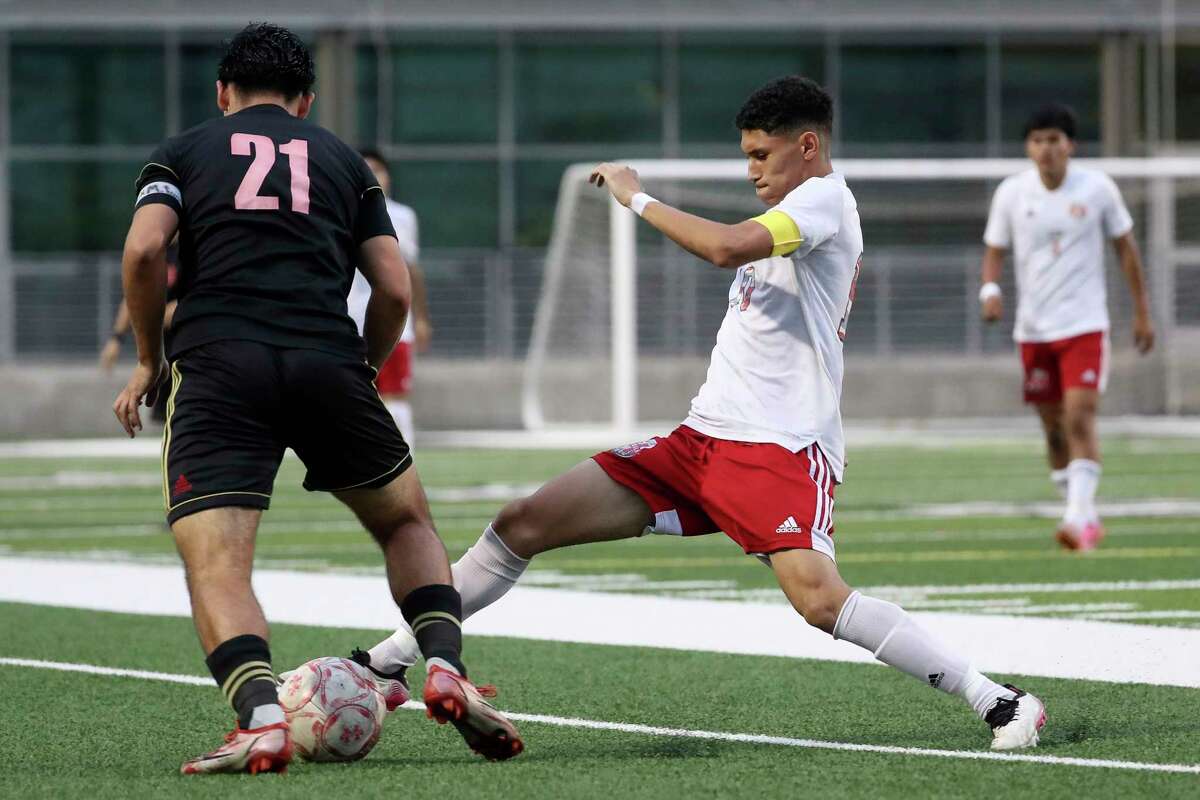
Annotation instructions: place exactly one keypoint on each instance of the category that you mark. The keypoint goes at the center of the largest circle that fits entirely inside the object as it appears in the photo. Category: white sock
(266, 714)
(401, 411)
(896, 639)
(1083, 476)
(482, 576)
(1059, 477)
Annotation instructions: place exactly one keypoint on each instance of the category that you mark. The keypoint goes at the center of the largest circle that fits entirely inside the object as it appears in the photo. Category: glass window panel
(715, 79)
(197, 83)
(589, 92)
(444, 92)
(71, 205)
(933, 93)
(455, 201)
(1187, 93)
(366, 89)
(1031, 76)
(98, 94)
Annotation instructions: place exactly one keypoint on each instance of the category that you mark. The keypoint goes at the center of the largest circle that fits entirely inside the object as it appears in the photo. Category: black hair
(1054, 115)
(785, 105)
(263, 57)
(375, 155)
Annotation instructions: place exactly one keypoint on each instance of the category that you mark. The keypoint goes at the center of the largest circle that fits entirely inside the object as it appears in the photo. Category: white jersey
(404, 220)
(1057, 238)
(776, 371)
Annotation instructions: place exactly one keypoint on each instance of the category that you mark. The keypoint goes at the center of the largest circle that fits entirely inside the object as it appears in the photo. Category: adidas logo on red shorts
(789, 525)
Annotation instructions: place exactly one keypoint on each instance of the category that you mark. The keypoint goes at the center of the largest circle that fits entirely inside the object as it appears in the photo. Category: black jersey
(271, 209)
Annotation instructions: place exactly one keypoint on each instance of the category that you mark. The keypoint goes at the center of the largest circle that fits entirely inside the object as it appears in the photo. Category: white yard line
(1027, 588)
(678, 733)
(1062, 648)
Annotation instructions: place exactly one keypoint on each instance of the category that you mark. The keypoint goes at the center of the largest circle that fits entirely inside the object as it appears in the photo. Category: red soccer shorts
(763, 496)
(396, 375)
(1051, 368)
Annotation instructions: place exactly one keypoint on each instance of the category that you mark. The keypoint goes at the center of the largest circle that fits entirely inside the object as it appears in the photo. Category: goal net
(626, 319)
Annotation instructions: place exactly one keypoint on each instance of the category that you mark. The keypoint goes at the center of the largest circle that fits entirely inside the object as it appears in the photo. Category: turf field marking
(1124, 615)
(92, 669)
(1036, 588)
(674, 733)
(1051, 647)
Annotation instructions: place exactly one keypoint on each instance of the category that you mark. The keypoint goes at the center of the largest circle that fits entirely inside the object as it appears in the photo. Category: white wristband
(989, 290)
(639, 202)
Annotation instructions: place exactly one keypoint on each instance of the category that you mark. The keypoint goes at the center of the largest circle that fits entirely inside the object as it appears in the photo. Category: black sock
(242, 668)
(434, 613)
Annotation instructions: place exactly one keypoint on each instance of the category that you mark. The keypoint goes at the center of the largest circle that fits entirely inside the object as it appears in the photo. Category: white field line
(1123, 615)
(1059, 648)
(1035, 588)
(678, 733)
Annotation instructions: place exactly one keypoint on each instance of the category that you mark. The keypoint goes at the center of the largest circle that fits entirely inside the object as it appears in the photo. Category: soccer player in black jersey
(273, 215)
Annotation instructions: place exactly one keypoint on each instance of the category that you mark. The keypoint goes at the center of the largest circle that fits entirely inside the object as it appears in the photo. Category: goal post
(619, 305)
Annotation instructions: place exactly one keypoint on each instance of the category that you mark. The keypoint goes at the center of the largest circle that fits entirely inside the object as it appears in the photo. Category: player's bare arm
(990, 299)
(383, 266)
(422, 324)
(144, 275)
(1131, 265)
(715, 242)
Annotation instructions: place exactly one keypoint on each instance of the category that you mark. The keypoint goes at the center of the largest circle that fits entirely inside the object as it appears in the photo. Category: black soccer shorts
(235, 405)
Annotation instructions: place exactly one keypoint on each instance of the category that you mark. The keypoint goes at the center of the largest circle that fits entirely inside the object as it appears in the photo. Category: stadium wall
(54, 401)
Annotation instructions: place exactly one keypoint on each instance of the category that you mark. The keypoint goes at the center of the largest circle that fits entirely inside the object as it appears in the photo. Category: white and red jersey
(776, 371)
(1057, 238)
(404, 220)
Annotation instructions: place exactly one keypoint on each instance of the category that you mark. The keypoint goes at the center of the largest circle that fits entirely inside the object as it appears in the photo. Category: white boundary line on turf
(685, 733)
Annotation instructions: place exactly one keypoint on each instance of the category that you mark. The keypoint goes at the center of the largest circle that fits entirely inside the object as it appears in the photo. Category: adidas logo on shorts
(789, 525)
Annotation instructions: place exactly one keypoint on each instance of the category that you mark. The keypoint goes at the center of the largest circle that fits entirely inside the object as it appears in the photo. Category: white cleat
(1016, 721)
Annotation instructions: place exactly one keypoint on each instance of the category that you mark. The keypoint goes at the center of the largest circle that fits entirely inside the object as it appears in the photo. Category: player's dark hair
(786, 105)
(267, 58)
(1054, 115)
(375, 155)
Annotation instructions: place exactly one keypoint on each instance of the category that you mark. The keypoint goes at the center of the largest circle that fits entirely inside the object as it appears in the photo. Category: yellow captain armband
(784, 233)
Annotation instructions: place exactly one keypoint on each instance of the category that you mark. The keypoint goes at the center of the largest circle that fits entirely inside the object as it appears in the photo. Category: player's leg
(338, 425)
(1057, 453)
(395, 382)
(1083, 365)
(582, 505)
(1081, 528)
(220, 457)
(1043, 390)
(816, 590)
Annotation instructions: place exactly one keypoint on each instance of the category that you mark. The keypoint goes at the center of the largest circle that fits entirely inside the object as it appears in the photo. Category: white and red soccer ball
(334, 710)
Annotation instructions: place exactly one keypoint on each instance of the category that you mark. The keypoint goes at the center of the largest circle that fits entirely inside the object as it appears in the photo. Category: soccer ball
(334, 710)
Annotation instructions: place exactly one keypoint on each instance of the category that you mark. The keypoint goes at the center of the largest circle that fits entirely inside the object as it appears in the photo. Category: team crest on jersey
(1078, 210)
(631, 450)
(745, 289)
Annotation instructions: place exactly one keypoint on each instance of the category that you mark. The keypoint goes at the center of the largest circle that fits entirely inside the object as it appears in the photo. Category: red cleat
(265, 749)
(449, 697)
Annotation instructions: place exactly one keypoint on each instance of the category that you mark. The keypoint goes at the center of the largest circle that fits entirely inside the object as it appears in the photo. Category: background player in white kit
(395, 376)
(1055, 218)
(762, 448)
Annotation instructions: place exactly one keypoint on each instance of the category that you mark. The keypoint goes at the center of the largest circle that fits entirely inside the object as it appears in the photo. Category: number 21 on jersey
(850, 300)
(262, 148)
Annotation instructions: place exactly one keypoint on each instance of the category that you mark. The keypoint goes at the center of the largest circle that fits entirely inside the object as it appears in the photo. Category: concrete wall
(42, 401)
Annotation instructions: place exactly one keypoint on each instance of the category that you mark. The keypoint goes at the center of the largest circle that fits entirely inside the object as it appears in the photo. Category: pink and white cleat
(1073, 537)
(265, 749)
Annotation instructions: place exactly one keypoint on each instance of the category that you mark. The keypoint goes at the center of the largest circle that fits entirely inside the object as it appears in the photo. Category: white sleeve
(1116, 219)
(816, 207)
(999, 225)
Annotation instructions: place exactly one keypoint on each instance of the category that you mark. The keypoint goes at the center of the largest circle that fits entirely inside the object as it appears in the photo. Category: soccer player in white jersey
(395, 376)
(1055, 218)
(761, 450)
